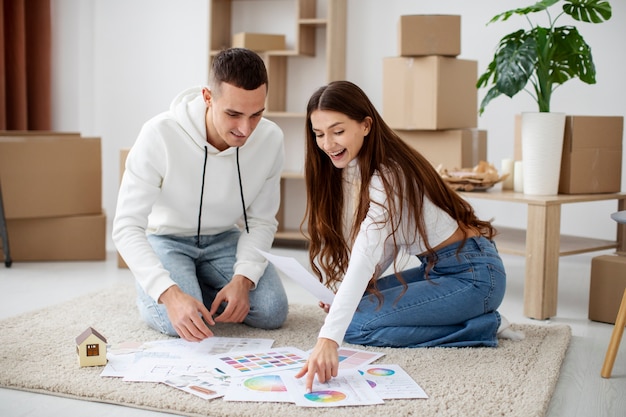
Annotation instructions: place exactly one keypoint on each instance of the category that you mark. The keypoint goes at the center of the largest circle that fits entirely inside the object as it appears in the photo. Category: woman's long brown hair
(406, 175)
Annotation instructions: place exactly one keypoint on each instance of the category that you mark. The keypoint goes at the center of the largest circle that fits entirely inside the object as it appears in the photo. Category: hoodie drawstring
(243, 203)
(206, 155)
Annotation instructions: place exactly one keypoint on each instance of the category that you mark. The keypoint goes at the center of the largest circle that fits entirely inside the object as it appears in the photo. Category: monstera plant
(543, 56)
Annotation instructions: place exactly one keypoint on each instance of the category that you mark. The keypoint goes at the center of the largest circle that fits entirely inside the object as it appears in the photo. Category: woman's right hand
(323, 362)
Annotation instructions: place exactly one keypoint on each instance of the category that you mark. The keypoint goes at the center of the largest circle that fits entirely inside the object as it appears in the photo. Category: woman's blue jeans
(455, 306)
(202, 270)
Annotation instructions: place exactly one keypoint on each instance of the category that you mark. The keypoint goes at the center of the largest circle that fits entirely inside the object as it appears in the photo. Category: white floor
(580, 392)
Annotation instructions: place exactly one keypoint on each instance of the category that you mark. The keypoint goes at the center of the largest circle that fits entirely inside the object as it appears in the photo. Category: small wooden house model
(91, 348)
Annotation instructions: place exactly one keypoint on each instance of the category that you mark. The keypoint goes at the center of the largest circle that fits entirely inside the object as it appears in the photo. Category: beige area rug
(37, 353)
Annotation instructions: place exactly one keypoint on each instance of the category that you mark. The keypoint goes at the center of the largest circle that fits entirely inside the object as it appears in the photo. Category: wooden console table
(542, 243)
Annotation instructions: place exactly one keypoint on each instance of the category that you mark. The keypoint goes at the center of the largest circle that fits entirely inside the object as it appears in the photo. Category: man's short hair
(239, 67)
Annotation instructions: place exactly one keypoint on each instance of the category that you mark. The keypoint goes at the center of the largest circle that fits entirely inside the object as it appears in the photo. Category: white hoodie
(161, 188)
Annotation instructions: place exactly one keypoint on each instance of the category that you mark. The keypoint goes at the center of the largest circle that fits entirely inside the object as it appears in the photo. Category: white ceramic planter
(542, 147)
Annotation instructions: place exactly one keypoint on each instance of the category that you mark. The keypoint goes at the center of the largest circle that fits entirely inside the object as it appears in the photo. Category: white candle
(518, 177)
(507, 168)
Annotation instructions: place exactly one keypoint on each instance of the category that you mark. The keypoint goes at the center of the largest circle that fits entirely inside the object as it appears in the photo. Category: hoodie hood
(189, 110)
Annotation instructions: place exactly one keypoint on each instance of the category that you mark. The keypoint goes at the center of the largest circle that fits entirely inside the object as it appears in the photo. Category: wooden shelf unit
(307, 24)
(220, 37)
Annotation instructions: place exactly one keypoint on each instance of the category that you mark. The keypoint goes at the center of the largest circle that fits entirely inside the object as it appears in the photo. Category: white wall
(116, 63)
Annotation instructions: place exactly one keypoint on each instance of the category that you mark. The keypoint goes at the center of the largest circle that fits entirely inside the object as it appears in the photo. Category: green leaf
(572, 57)
(590, 11)
(537, 7)
(491, 94)
(515, 62)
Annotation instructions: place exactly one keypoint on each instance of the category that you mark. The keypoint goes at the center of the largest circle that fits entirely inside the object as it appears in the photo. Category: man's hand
(237, 298)
(188, 315)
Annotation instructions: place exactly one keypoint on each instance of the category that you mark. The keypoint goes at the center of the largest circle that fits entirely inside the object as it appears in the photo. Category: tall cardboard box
(592, 154)
(67, 238)
(50, 175)
(458, 148)
(422, 35)
(606, 288)
(430, 93)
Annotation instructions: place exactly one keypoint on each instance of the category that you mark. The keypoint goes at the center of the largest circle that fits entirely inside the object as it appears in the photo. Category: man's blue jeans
(202, 271)
(455, 306)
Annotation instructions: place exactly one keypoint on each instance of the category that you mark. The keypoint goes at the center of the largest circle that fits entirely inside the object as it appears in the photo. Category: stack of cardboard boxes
(429, 95)
(52, 195)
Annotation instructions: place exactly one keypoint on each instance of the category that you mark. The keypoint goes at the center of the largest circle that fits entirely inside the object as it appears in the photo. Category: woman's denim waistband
(476, 243)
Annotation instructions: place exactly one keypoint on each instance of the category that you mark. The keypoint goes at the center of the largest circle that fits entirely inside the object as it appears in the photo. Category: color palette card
(252, 363)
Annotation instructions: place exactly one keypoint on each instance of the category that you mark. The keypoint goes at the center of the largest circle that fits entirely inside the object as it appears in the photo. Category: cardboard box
(69, 238)
(606, 289)
(50, 176)
(459, 148)
(592, 154)
(430, 93)
(259, 41)
(421, 35)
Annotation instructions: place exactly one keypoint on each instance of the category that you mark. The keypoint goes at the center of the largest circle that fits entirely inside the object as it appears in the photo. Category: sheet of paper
(295, 271)
(347, 388)
(120, 365)
(260, 388)
(155, 369)
(392, 382)
(240, 364)
(210, 346)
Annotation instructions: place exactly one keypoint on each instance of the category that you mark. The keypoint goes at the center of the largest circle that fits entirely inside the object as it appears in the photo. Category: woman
(370, 200)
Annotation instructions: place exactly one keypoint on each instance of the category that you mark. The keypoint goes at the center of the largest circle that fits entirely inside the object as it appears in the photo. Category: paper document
(391, 382)
(295, 271)
(347, 388)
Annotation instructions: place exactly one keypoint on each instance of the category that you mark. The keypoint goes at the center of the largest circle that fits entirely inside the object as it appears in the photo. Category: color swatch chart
(250, 363)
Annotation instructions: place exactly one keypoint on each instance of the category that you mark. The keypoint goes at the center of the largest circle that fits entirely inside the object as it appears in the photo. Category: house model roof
(88, 332)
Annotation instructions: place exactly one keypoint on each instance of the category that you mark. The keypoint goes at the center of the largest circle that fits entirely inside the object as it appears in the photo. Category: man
(210, 162)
